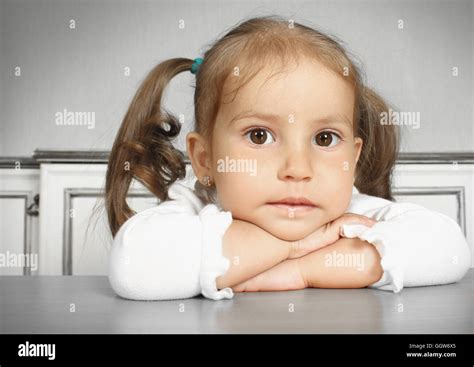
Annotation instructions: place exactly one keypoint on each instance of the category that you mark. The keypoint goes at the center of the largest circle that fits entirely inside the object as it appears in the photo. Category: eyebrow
(337, 118)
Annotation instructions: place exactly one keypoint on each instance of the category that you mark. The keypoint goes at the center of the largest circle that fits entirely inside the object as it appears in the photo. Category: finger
(358, 219)
(354, 219)
(352, 231)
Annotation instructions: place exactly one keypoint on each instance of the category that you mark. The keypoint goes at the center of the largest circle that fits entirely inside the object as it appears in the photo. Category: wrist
(301, 272)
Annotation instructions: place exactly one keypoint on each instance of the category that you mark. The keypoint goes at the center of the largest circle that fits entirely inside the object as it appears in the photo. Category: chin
(290, 232)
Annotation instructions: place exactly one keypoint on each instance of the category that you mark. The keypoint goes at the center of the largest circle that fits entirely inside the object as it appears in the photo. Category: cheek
(237, 192)
(336, 168)
(334, 180)
(239, 186)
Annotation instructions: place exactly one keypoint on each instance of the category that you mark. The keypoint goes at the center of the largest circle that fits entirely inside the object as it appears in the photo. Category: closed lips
(294, 201)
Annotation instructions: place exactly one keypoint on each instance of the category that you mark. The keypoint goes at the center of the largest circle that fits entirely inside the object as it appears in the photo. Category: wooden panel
(90, 238)
(13, 238)
(447, 188)
(72, 241)
(18, 230)
(70, 192)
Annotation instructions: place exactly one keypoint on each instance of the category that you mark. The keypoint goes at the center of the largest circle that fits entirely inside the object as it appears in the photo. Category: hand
(326, 234)
(317, 272)
(284, 276)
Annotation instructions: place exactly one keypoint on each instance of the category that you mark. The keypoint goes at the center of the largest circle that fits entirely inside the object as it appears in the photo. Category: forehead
(307, 89)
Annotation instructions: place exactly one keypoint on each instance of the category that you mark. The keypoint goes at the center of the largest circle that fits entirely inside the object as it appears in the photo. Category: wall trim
(101, 156)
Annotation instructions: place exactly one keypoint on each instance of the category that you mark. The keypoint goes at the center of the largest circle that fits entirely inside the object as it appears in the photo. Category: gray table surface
(43, 304)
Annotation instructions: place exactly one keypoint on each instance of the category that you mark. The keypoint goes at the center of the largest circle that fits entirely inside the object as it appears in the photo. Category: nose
(296, 165)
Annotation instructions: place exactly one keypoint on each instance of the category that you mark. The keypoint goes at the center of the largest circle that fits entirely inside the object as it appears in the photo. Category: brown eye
(259, 136)
(325, 139)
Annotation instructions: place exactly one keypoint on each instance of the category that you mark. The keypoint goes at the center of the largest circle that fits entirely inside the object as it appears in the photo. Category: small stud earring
(206, 180)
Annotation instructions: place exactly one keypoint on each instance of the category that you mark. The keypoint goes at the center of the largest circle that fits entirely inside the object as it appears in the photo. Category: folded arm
(419, 248)
(250, 251)
(347, 263)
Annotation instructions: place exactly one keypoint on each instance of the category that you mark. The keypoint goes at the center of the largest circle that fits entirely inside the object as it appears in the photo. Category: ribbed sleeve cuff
(392, 278)
(213, 263)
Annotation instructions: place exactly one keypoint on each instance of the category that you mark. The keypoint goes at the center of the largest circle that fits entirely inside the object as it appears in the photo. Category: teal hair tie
(195, 67)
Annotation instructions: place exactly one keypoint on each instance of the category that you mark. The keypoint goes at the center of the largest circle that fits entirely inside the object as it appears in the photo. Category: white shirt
(174, 250)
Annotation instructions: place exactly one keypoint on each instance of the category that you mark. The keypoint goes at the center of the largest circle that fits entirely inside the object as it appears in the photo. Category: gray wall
(82, 69)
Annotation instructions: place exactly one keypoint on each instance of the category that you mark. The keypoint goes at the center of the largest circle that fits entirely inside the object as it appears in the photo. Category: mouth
(297, 205)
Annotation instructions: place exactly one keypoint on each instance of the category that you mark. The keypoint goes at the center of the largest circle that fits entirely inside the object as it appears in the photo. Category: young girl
(292, 179)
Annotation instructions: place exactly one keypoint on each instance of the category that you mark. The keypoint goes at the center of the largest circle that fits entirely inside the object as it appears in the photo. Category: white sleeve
(171, 251)
(418, 247)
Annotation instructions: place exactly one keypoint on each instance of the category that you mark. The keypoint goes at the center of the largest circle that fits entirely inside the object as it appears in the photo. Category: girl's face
(288, 136)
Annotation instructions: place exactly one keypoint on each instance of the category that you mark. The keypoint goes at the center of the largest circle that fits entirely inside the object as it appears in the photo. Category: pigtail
(380, 148)
(143, 148)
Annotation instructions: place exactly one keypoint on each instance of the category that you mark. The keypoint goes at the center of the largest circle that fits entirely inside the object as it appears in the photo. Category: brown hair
(143, 148)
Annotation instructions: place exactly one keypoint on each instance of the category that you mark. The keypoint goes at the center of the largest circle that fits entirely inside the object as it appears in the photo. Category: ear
(198, 154)
(358, 143)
